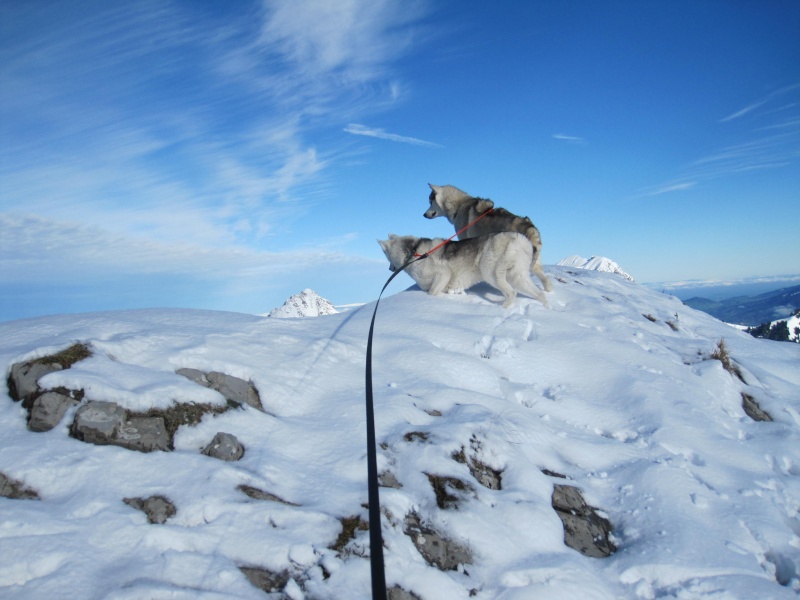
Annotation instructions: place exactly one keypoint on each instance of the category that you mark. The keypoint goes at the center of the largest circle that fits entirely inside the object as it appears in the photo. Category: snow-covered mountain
(596, 263)
(482, 416)
(305, 304)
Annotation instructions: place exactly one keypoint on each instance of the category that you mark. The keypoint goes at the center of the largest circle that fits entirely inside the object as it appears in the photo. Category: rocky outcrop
(234, 389)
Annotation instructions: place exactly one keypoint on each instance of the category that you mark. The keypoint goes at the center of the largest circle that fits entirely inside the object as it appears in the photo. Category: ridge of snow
(305, 304)
(595, 263)
(611, 388)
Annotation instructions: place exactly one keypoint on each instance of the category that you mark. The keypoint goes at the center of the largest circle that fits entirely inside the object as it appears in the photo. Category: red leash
(459, 232)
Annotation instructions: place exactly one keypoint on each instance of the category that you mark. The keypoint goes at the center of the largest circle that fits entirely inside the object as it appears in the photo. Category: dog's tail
(535, 238)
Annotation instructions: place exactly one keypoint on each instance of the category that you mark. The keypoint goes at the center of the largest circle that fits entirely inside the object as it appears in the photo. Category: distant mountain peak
(305, 304)
(595, 263)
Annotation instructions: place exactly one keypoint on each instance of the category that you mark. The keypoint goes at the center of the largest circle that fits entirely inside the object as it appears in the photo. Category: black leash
(375, 537)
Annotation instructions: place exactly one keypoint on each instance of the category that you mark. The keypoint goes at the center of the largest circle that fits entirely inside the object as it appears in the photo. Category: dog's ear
(433, 187)
(483, 205)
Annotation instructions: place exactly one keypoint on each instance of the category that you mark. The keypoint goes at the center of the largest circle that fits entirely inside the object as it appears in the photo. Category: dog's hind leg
(522, 282)
(501, 283)
(538, 270)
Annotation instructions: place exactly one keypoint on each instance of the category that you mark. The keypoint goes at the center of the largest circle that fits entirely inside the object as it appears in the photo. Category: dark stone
(143, 434)
(98, 422)
(585, 530)
(157, 508)
(15, 490)
(48, 409)
(436, 549)
(224, 446)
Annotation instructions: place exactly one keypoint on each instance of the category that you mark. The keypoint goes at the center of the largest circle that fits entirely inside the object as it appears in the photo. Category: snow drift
(612, 391)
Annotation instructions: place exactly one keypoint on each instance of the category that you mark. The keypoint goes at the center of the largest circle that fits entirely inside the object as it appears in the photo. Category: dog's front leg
(439, 285)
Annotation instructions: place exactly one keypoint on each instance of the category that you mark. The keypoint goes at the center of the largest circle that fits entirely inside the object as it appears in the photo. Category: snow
(305, 304)
(595, 263)
(610, 387)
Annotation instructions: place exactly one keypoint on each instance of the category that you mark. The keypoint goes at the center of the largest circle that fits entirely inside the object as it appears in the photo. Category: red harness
(459, 232)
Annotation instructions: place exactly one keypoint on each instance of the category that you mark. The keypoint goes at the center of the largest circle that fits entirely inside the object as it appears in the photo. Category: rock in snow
(596, 263)
(600, 448)
(305, 304)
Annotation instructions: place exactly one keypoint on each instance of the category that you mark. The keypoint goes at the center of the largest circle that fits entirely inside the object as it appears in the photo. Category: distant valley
(750, 310)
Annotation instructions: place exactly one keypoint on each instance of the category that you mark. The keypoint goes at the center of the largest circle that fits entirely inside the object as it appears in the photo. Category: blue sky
(226, 155)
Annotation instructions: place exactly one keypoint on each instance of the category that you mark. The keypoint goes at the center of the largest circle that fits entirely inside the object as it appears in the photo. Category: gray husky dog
(501, 259)
(461, 209)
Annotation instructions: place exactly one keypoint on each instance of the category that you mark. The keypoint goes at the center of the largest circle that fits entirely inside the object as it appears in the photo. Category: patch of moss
(68, 357)
(188, 413)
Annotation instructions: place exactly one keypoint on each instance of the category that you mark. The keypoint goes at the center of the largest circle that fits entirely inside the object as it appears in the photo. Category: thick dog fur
(500, 259)
(461, 209)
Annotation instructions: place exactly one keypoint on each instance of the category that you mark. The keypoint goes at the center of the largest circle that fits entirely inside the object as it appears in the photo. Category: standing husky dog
(461, 209)
(500, 259)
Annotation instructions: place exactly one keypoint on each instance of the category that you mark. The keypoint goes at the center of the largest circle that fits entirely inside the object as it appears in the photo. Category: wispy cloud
(356, 129)
(759, 103)
(95, 133)
(767, 139)
(572, 139)
(666, 189)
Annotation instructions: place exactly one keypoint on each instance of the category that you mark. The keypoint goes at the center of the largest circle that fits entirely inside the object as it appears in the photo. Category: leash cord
(373, 498)
(377, 567)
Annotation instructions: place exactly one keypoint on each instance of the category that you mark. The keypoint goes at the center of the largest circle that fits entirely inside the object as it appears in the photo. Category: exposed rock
(753, 410)
(483, 473)
(398, 593)
(584, 529)
(266, 580)
(388, 479)
(157, 508)
(350, 526)
(234, 389)
(22, 381)
(449, 490)
(23, 378)
(98, 422)
(224, 446)
(143, 434)
(15, 490)
(437, 550)
(196, 375)
(48, 409)
(257, 494)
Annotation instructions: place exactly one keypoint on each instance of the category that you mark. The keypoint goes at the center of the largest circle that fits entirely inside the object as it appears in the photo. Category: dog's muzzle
(429, 214)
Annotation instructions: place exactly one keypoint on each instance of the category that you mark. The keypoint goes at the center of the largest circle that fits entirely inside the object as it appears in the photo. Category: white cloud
(569, 138)
(356, 129)
(36, 249)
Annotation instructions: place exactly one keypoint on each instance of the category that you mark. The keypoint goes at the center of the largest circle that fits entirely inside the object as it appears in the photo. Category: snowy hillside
(596, 263)
(612, 390)
(305, 304)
